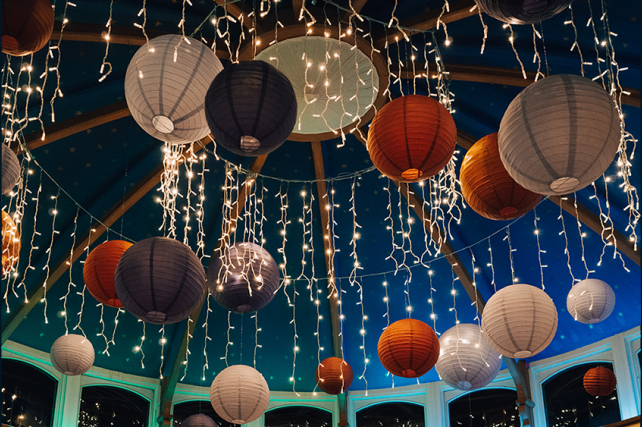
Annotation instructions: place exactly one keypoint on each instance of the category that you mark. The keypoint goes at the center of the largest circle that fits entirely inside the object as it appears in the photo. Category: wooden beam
(297, 5)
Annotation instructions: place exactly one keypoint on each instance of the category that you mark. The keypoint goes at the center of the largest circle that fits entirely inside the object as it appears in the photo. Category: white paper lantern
(466, 361)
(165, 87)
(72, 354)
(590, 301)
(559, 134)
(239, 394)
(10, 169)
(519, 321)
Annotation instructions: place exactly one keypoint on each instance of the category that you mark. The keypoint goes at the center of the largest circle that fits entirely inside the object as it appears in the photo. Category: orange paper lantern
(408, 348)
(10, 243)
(488, 188)
(599, 381)
(412, 138)
(98, 271)
(26, 26)
(334, 375)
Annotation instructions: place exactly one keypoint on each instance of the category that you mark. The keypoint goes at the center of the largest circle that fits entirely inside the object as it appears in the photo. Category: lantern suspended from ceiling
(99, 268)
(10, 243)
(26, 26)
(239, 394)
(521, 12)
(408, 348)
(590, 301)
(198, 420)
(599, 381)
(10, 169)
(72, 354)
(334, 375)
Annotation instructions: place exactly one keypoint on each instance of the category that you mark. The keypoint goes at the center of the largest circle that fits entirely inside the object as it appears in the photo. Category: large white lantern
(590, 301)
(165, 87)
(239, 394)
(519, 321)
(559, 134)
(72, 354)
(466, 361)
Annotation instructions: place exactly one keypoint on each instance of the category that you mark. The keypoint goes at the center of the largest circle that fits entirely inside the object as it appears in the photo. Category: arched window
(298, 416)
(568, 404)
(28, 394)
(394, 414)
(185, 409)
(487, 407)
(105, 406)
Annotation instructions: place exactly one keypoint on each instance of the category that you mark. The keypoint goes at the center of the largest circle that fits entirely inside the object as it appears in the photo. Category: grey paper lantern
(522, 12)
(199, 420)
(244, 278)
(10, 169)
(72, 354)
(590, 301)
(251, 108)
(466, 361)
(160, 280)
(519, 321)
(559, 134)
(165, 87)
(239, 394)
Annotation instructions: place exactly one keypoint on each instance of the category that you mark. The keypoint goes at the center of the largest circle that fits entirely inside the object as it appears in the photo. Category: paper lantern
(165, 87)
(466, 361)
(334, 375)
(10, 169)
(488, 188)
(99, 268)
(521, 12)
(590, 301)
(599, 381)
(239, 394)
(72, 354)
(559, 134)
(26, 26)
(10, 243)
(160, 280)
(408, 348)
(519, 321)
(244, 278)
(199, 420)
(411, 138)
(251, 108)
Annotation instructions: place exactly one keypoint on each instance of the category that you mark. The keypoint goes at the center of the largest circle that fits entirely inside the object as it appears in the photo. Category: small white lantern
(239, 394)
(72, 354)
(590, 301)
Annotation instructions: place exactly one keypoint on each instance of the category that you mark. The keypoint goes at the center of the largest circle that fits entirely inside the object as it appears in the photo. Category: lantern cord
(510, 256)
(582, 235)
(566, 251)
(539, 251)
(492, 267)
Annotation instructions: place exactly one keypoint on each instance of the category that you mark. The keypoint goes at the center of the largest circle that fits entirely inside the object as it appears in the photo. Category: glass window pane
(102, 406)
(298, 416)
(395, 414)
(186, 409)
(490, 407)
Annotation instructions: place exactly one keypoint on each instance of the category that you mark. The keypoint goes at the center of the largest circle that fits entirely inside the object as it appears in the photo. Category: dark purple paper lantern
(244, 278)
(199, 420)
(251, 108)
(160, 280)
(522, 12)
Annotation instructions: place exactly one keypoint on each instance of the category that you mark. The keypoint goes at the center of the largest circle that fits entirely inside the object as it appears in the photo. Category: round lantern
(99, 268)
(334, 375)
(251, 108)
(165, 87)
(590, 301)
(599, 381)
(408, 348)
(239, 394)
(559, 134)
(519, 321)
(26, 26)
(10, 243)
(466, 361)
(411, 138)
(160, 280)
(488, 188)
(198, 420)
(10, 169)
(521, 12)
(72, 354)
(244, 278)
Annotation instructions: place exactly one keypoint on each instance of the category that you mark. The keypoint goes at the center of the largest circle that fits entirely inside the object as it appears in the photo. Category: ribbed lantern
(559, 134)
(519, 321)
(165, 87)
(239, 394)
(599, 381)
(251, 108)
(488, 188)
(590, 301)
(26, 26)
(198, 420)
(522, 12)
(160, 280)
(99, 268)
(334, 375)
(72, 354)
(10, 243)
(466, 361)
(408, 348)
(411, 138)
(10, 169)
(244, 278)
